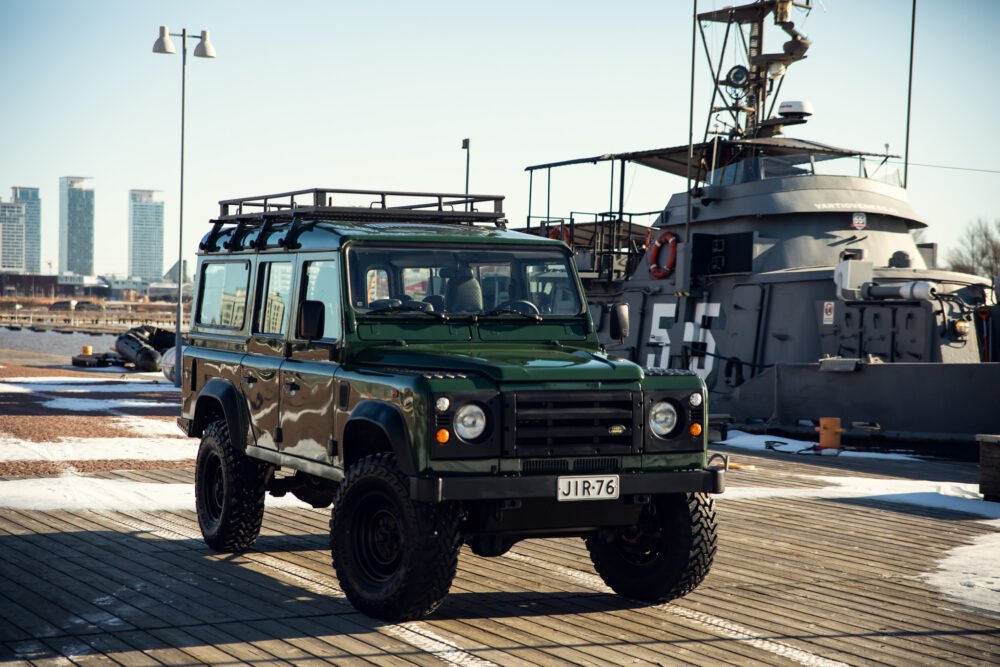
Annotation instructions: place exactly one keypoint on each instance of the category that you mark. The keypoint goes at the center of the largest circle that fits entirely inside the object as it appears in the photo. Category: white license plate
(590, 487)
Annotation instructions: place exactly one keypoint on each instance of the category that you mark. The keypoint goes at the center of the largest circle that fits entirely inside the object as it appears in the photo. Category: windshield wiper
(408, 309)
(502, 311)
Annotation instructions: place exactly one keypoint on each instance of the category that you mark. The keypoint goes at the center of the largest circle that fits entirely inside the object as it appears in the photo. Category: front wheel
(229, 492)
(395, 558)
(666, 555)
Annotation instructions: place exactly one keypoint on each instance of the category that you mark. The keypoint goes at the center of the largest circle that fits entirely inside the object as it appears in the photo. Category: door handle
(250, 379)
(290, 386)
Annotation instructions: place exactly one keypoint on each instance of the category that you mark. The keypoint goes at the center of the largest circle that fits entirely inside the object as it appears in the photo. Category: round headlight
(442, 404)
(470, 422)
(695, 399)
(662, 418)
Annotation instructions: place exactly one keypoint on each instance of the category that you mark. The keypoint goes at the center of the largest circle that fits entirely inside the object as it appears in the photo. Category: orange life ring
(660, 272)
(554, 233)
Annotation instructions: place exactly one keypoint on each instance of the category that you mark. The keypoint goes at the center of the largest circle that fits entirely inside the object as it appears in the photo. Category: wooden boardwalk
(797, 581)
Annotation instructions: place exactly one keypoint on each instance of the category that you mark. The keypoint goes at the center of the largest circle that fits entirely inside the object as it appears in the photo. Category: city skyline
(388, 107)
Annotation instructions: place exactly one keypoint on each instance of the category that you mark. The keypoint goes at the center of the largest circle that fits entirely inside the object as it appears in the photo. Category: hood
(506, 364)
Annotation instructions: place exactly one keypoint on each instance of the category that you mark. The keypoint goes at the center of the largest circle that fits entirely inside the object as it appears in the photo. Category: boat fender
(660, 272)
(554, 233)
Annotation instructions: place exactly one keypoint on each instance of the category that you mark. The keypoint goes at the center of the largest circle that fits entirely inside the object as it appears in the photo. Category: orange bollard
(829, 432)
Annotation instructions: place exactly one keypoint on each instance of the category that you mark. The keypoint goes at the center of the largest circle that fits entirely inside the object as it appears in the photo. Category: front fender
(387, 419)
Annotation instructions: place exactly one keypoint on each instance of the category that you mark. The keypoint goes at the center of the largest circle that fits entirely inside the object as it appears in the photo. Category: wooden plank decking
(797, 581)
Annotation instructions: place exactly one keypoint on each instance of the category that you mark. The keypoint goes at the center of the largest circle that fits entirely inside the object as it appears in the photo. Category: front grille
(587, 466)
(595, 465)
(575, 422)
(545, 466)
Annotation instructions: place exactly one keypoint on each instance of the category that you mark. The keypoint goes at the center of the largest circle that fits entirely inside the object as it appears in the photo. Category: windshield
(462, 281)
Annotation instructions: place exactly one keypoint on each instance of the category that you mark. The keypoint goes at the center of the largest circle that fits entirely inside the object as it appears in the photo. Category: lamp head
(204, 48)
(163, 44)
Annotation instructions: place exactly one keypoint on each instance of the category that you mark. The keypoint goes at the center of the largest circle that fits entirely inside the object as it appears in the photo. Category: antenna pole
(909, 96)
(690, 157)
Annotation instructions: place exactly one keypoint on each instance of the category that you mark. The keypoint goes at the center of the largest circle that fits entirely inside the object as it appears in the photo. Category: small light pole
(163, 44)
(465, 147)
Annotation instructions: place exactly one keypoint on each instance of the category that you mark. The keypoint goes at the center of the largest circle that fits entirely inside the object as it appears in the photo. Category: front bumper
(484, 487)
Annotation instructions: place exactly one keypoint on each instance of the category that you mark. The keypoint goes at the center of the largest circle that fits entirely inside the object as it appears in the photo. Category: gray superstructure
(787, 275)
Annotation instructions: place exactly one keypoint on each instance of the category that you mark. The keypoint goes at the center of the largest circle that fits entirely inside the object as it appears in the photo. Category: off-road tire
(664, 557)
(229, 492)
(395, 558)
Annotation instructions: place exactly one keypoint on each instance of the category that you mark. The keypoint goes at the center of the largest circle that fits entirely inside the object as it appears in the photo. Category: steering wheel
(520, 306)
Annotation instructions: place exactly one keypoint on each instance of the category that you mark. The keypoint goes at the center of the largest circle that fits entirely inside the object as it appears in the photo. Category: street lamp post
(163, 44)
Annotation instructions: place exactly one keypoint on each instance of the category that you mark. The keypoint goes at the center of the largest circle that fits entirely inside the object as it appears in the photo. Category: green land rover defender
(438, 380)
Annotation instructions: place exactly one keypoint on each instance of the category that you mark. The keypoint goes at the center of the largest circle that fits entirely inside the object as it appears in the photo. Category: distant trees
(978, 250)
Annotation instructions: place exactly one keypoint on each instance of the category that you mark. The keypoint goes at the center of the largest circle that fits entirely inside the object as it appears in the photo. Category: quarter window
(223, 294)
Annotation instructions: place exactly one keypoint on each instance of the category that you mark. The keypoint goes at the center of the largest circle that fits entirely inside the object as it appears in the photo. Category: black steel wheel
(229, 492)
(395, 558)
(666, 555)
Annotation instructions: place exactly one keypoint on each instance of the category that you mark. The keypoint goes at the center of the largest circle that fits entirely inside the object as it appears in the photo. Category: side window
(377, 281)
(551, 289)
(417, 283)
(495, 281)
(223, 299)
(274, 303)
(322, 283)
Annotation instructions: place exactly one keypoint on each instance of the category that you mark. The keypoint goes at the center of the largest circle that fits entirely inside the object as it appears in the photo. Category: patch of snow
(73, 492)
(86, 387)
(970, 574)
(144, 426)
(938, 495)
(97, 405)
(759, 443)
(98, 449)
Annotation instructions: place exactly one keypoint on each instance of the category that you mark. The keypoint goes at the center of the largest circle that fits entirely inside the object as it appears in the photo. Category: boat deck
(800, 579)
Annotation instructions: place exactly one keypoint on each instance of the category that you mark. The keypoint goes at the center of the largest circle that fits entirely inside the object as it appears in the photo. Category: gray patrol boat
(787, 275)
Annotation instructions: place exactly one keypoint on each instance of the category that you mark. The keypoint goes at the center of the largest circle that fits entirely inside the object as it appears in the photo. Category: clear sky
(380, 94)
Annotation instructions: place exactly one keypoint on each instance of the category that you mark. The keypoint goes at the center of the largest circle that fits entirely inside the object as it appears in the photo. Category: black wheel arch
(370, 417)
(220, 399)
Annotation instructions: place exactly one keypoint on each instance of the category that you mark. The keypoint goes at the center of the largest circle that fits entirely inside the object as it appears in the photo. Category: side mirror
(310, 326)
(619, 321)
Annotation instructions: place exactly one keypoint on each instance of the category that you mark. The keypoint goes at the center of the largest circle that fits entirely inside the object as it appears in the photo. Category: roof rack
(363, 205)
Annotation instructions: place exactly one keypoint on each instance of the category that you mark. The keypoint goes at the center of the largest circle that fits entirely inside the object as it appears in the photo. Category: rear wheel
(229, 492)
(395, 558)
(666, 555)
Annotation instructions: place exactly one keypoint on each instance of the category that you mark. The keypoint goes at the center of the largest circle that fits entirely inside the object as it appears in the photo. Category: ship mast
(746, 88)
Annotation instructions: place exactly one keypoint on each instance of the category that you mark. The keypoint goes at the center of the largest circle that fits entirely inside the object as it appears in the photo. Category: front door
(308, 377)
(266, 349)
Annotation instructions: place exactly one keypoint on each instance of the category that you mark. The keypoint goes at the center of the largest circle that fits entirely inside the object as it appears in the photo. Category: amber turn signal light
(695, 429)
(442, 435)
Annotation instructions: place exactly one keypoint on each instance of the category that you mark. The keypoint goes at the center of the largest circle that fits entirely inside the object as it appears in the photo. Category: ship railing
(607, 244)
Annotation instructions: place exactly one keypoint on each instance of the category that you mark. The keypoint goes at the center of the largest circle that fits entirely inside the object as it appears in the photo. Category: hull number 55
(593, 487)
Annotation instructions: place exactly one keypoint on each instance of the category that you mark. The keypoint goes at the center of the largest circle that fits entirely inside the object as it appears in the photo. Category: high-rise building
(32, 227)
(12, 237)
(145, 235)
(76, 225)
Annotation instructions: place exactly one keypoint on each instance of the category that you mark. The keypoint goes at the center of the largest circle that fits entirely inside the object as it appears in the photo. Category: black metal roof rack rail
(364, 205)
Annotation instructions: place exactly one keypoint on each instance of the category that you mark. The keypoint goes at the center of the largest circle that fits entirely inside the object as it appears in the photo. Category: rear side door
(309, 376)
(266, 349)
